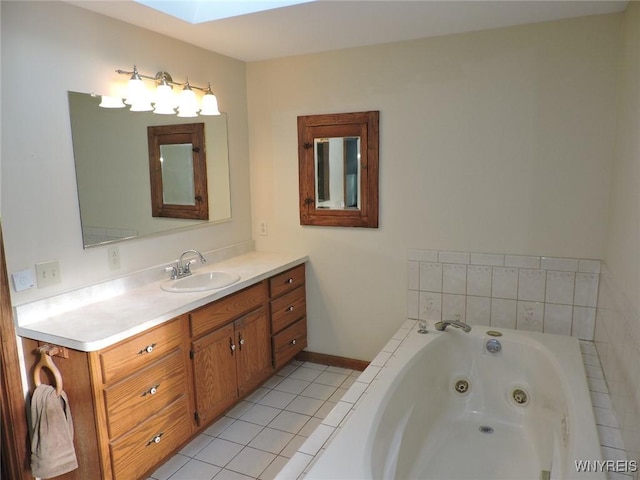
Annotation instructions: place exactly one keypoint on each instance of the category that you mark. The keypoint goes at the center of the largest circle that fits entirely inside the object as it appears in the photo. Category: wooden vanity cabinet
(143, 394)
(136, 403)
(287, 305)
(230, 360)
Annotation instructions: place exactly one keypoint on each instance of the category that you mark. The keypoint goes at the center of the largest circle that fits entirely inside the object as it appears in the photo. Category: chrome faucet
(181, 269)
(441, 326)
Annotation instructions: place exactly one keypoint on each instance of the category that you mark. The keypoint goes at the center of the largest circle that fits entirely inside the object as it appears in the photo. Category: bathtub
(444, 407)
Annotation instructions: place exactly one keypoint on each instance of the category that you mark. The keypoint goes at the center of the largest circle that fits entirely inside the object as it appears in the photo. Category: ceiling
(326, 25)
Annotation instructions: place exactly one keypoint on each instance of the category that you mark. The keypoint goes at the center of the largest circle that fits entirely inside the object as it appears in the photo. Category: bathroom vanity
(138, 400)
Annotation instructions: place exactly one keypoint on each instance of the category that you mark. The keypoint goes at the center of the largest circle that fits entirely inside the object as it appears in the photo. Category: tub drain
(461, 386)
(486, 429)
(520, 396)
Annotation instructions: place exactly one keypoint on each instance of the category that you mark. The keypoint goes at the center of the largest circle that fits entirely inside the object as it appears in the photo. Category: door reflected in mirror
(337, 162)
(111, 153)
(178, 171)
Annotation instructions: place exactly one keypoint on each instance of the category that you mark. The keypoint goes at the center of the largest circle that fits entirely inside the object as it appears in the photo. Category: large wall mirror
(112, 162)
(338, 168)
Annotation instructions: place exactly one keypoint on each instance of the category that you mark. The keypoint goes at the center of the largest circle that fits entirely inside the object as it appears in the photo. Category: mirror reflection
(112, 171)
(177, 174)
(337, 166)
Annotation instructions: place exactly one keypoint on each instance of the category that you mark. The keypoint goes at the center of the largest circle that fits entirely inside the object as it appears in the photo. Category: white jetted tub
(445, 407)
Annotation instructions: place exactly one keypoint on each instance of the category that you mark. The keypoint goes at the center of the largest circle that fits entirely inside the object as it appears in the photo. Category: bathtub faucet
(440, 326)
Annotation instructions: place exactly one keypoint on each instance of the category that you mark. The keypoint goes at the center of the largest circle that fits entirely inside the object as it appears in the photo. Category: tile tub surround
(101, 315)
(543, 294)
(607, 425)
(617, 340)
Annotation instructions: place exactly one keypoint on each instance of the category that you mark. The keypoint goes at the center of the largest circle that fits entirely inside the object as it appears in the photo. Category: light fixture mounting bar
(163, 75)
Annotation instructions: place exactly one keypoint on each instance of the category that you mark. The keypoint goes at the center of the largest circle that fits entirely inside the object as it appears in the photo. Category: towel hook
(46, 351)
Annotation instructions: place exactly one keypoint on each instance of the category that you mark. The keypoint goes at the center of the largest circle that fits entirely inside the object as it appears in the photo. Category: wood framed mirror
(178, 171)
(338, 169)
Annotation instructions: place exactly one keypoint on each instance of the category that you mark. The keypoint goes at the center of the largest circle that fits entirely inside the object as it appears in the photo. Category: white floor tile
(174, 464)
(251, 462)
(321, 392)
(196, 470)
(293, 446)
(260, 414)
(277, 399)
(273, 469)
(306, 373)
(330, 378)
(241, 432)
(271, 440)
(229, 475)
(305, 405)
(219, 426)
(292, 385)
(195, 445)
(219, 452)
(289, 421)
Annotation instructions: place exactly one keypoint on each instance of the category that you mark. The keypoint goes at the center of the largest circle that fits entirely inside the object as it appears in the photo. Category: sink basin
(200, 282)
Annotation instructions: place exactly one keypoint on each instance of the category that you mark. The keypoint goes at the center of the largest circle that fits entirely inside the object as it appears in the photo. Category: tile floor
(257, 437)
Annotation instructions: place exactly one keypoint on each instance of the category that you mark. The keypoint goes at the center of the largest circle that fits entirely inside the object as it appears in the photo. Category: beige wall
(497, 141)
(618, 321)
(49, 48)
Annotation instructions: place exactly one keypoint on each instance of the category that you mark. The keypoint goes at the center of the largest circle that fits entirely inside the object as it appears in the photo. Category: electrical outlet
(47, 273)
(263, 229)
(114, 258)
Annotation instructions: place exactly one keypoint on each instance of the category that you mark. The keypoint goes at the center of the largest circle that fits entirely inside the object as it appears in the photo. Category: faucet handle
(187, 266)
(173, 270)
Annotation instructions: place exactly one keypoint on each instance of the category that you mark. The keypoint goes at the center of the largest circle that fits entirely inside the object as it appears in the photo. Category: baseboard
(332, 360)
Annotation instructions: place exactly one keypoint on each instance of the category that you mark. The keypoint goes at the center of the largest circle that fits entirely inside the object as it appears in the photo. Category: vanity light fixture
(163, 101)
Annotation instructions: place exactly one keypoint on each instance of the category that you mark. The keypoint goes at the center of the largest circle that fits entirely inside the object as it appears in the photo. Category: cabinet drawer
(134, 399)
(227, 309)
(134, 354)
(134, 454)
(287, 309)
(289, 342)
(286, 281)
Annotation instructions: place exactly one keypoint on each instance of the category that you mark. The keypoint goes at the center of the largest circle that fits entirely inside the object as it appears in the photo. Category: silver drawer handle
(289, 281)
(290, 309)
(152, 391)
(293, 342)
(147, 349)
(155, 439)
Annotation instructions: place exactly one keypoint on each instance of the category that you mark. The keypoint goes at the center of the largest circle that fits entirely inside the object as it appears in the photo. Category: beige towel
(52, 451)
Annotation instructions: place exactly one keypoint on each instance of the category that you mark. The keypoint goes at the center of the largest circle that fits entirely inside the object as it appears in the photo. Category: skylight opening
(200, 11)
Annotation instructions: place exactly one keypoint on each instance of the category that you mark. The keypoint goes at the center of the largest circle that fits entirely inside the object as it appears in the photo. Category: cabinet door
(214, 370)
(253, 337)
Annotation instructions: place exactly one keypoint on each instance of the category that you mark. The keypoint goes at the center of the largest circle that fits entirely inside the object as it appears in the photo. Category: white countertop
(103, 323)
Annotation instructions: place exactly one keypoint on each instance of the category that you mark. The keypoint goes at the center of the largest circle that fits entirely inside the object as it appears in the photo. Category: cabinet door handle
(152, 391)
(293, 342)
(290, 309)
(147, 349)
(155, 439)
(240, 340)
(232, 346)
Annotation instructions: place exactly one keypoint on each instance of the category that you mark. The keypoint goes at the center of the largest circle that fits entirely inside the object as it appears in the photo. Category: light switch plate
(23, 280)
(47, 273)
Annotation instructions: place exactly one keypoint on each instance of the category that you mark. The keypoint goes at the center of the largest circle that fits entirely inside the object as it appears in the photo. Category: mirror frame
(358, 124)
(192, 133)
